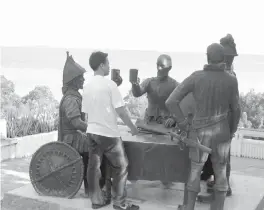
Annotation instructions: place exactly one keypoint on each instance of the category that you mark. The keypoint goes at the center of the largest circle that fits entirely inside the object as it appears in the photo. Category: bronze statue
(229, 45)
(230, 52)
(216, 95)
(158, 90)
(62, 157)
(71, 118)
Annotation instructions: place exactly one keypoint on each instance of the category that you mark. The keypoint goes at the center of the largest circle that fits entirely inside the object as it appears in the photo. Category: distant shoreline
(28, 67)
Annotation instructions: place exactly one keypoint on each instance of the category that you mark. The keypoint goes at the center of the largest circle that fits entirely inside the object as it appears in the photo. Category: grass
(24, 122)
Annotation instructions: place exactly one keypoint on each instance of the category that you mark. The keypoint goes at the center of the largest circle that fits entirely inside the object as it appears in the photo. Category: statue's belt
(69, 131)
(203, 122)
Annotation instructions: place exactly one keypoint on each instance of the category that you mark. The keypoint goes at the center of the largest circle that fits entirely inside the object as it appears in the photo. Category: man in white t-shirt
(103, 103)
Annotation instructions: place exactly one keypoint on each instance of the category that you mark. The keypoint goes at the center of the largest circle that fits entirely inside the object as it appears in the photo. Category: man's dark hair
(96, 59)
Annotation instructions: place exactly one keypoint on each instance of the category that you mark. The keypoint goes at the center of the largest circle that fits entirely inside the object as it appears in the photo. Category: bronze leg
(193, 185)
(85, 157)
(228, 171)
(219, 161)
(220, 187)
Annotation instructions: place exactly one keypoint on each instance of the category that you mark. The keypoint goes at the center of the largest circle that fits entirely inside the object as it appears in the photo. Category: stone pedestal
(8, 149)
(248, 193)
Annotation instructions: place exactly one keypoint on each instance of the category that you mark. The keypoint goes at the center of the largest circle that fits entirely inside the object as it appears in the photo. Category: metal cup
(133, 75)
(115, 73)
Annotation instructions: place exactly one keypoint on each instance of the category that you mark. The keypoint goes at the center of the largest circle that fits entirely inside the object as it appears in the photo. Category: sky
(163, 25)
(159, 25)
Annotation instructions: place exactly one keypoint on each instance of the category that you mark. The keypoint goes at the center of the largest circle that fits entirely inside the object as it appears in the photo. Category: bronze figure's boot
(228, 170)
(85, 158)
(191, 199)
(86, 190)
(218, 201)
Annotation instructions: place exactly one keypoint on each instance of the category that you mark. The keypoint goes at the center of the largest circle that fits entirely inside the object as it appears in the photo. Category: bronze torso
(70, 107)
(157, 93)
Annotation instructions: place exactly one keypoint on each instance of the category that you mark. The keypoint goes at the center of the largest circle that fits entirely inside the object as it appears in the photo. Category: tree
(136, 106)
(41, 98)
(244, 123)
(37, 112)
(40, 93)
(8, 96)
(7, 86)
(42, 104)
(253, 104)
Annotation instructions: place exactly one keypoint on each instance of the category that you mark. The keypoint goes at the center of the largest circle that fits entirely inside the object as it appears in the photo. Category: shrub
(37, 112)
(27, 123)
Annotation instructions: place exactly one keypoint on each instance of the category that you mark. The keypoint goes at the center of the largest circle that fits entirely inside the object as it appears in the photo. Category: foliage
(37, 112)
(40, 93)
(252, 104)
(244, 122)
(8, 95)
(136, 106)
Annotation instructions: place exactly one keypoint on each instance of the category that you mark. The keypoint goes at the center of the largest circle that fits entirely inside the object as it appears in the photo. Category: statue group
(202, 112)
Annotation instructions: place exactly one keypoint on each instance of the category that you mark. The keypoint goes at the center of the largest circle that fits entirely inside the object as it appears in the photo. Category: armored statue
(158, 90)
(71, 119)
(59, 168)
(216, 96)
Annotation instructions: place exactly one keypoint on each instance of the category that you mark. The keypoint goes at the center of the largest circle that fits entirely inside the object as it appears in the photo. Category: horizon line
(115, 49)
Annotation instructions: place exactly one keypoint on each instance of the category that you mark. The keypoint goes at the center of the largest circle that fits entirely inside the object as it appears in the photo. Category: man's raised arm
(120, 109)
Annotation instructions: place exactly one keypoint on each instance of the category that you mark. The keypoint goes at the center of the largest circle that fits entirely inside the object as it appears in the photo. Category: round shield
(56, 169)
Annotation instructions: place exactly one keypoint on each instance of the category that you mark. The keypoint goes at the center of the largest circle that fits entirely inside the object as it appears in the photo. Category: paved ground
(14, 173)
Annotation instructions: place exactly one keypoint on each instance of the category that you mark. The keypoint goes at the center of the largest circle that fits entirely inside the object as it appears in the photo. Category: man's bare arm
(122, 113)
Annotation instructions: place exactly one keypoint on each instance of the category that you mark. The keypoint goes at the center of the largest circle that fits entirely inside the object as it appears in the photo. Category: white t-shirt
(100, 99)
